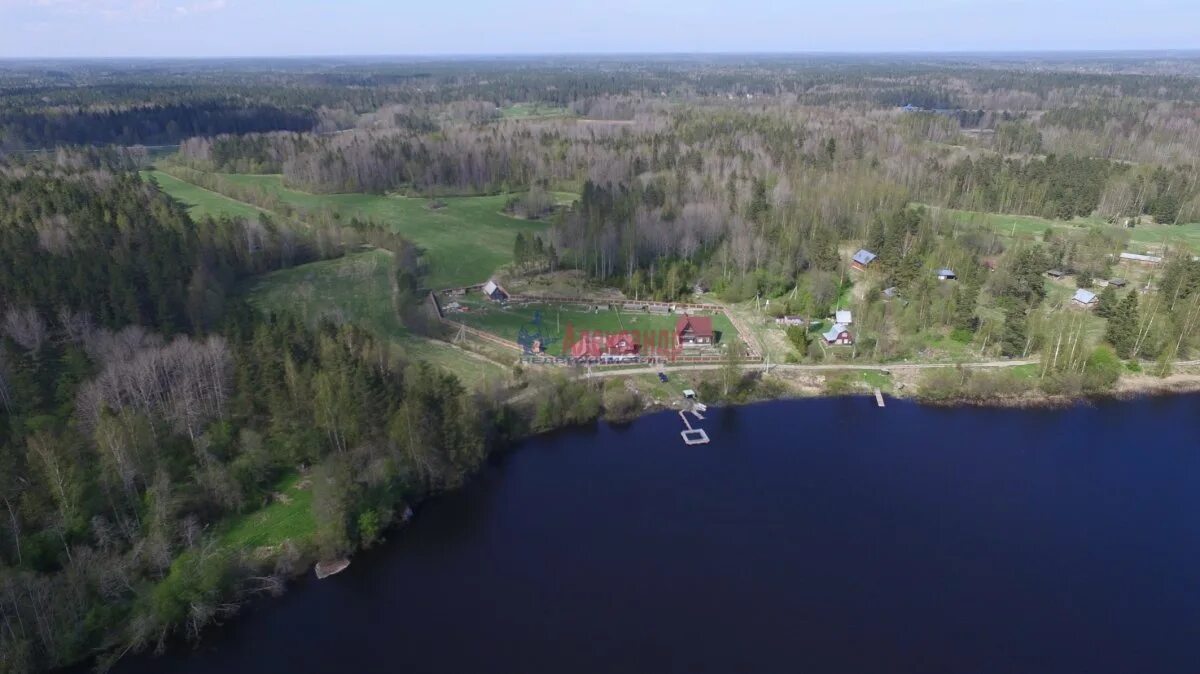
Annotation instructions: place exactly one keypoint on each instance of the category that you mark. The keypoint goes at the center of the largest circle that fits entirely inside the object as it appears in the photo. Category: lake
(810, 536)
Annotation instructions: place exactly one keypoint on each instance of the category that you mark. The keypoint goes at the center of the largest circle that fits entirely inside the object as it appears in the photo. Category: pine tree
(1013, 341)
(1106, 306)
(1123, 326)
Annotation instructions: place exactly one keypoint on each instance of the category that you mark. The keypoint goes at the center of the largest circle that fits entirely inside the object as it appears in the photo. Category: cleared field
(357, 289)
(507, 321)
(1142, 237)
(288, 517)
(465, 241)
(533, 110)
(201, 202)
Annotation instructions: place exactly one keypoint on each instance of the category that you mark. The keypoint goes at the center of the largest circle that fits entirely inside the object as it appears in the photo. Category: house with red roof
(694, 330)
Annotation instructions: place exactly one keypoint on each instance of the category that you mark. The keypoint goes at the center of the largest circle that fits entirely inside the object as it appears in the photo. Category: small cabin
(947, 275)
(843, 316)
(1118, 282)
(1084, 298)
(494, 292)
(862, 259)
(838, 335)
(1056, 274)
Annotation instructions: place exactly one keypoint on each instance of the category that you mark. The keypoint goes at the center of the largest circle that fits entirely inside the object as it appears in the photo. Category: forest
(153, 408)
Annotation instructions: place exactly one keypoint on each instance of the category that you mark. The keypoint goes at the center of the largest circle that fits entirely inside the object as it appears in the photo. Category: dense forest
(147, 405)
(142, 402)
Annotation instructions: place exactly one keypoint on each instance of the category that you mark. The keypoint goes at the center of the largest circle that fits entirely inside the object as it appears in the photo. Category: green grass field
(287, 518)
(357, 289)
(464, 242)
(201, 202)
(507, 322)
(1142, 237)
(533, 111)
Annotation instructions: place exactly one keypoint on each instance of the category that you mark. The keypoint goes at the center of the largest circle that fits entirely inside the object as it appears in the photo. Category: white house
(843, 316)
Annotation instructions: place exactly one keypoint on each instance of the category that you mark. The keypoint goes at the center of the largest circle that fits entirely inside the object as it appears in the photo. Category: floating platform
(692, 436)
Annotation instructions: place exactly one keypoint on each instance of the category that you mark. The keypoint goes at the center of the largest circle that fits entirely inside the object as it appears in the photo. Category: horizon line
(630, 53)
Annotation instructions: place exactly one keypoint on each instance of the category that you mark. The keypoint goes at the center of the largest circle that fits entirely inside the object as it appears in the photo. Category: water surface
(811, 536)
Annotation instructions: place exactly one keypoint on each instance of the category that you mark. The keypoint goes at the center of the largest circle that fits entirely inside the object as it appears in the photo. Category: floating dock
(878, 398)
(692, 436)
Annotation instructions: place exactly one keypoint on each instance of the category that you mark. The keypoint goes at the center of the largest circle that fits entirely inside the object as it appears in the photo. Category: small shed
(843, 316)
(494, 292)
(947, 275)
(1118, 282)
(891, 293)
(1084, 297)
(838, 335)
(689, 394)
(1056, 273)
(862, 259)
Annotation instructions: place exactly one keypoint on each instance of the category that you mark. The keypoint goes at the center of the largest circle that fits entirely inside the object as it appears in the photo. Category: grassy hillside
(465, 241)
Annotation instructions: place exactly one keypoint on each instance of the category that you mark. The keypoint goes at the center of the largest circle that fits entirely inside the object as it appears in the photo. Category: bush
(1102, 370)
(962, 335)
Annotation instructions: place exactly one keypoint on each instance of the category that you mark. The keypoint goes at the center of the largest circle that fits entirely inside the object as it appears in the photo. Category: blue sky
(41, 28)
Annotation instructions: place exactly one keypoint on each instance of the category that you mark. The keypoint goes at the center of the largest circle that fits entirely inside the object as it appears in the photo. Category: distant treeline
(143, 125)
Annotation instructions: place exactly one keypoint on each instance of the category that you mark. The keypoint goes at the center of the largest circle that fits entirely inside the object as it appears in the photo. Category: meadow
(464, 241)
(199, 201)
(356, 289)
(1144, 237)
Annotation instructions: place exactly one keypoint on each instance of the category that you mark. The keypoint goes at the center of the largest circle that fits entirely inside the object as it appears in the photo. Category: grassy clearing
(357, 289)
(1142, 237)
(876, 379)
(465, 241)
(507, 321)
(288, 517)
(201, 202)
(534, 111)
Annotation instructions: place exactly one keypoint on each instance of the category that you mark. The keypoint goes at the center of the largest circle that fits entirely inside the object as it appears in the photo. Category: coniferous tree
(1122, 331)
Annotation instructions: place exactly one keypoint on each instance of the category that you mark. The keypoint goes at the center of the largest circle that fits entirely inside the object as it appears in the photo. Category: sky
(216, 28)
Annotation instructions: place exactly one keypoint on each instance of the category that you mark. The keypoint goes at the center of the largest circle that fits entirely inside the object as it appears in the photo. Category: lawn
(288, 517)
(507, 321)
(201, 202)
(465, 241)
(357, 289)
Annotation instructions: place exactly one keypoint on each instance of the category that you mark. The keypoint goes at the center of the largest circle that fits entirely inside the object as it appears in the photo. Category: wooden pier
(878, 398)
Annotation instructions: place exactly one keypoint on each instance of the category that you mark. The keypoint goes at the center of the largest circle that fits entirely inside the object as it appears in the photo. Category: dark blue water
(819, 536)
